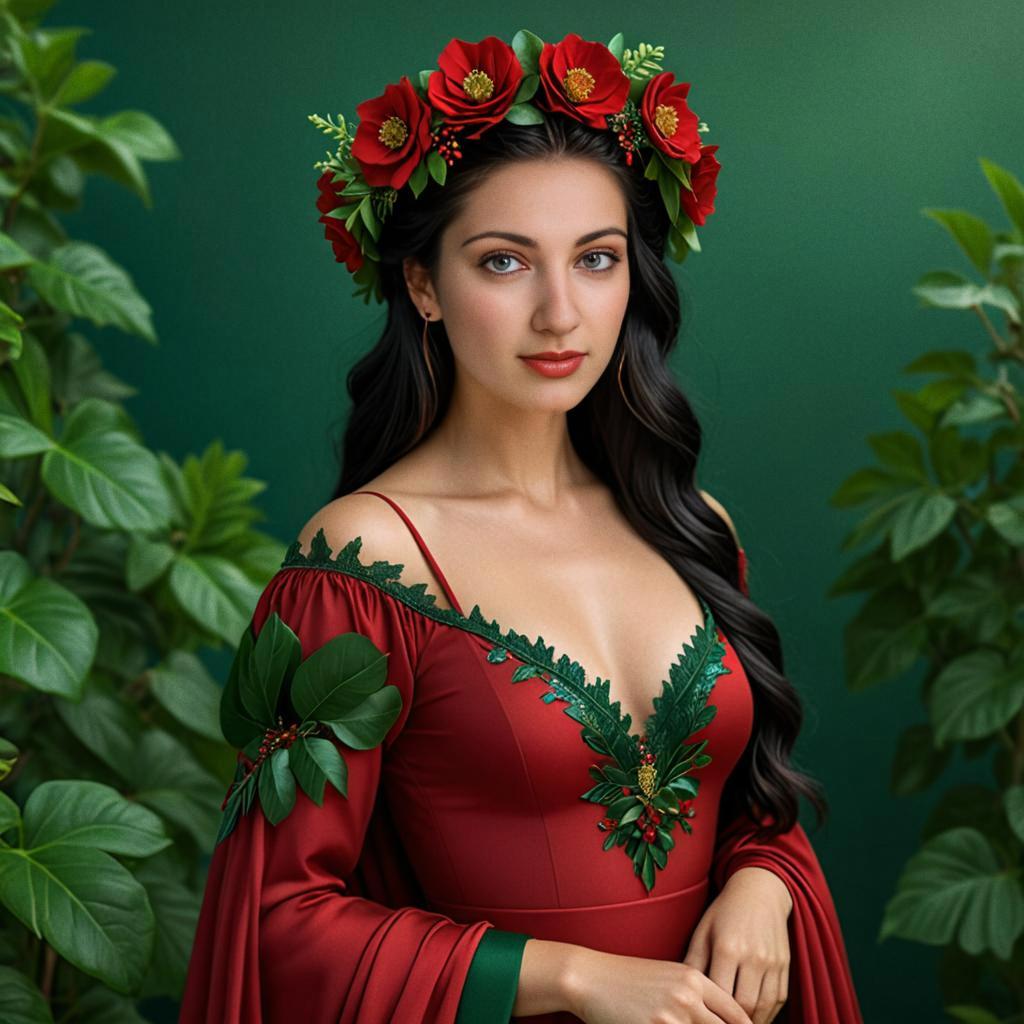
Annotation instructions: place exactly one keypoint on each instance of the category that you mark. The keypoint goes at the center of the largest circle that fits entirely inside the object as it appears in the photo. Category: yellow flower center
(478, 85)
(393, 132)
(666, 120)
(579, 84)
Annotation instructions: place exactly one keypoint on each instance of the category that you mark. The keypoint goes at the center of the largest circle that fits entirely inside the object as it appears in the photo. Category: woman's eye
(612, 257)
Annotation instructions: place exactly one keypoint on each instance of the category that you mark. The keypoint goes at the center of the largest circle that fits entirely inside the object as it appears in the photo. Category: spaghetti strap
(445, 586)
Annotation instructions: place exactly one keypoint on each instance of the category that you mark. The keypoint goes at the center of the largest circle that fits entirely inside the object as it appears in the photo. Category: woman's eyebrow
(532, 242)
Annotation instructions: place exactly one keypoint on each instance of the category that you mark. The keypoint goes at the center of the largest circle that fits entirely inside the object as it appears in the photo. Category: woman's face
(560, 285)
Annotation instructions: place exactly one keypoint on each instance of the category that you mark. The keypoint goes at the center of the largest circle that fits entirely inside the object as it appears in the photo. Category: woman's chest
(508, 750)
(621, 609)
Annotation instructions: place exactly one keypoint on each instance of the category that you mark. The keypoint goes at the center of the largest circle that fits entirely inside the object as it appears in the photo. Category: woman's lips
(554, 364)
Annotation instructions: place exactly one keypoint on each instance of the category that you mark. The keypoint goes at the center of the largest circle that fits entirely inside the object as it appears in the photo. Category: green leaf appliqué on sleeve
(278, 708)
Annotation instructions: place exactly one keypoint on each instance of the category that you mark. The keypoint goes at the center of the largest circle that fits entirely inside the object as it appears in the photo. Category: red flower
(670, 123)
(581, 79)
(476, 84)
(393, 135)
(701, 201)
(343, 242)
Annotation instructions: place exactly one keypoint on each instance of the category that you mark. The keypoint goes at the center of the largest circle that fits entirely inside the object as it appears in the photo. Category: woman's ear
(421, 287)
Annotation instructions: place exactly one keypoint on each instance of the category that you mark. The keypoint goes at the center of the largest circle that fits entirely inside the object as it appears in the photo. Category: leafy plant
(945, 592)
(117, 565)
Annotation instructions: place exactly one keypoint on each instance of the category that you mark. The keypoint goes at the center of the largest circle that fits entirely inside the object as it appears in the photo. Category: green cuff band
(493, 979)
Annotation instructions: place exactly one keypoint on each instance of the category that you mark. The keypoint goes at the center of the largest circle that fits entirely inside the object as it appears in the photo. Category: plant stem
(1001, 343)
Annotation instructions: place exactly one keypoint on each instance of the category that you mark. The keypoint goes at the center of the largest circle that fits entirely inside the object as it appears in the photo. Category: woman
(482, 856)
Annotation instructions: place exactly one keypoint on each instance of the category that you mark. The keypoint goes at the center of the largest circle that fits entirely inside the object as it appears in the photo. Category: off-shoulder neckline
(386, 577)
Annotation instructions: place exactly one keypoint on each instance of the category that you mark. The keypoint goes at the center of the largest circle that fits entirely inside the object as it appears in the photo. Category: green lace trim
(569, 676)
(651, 775)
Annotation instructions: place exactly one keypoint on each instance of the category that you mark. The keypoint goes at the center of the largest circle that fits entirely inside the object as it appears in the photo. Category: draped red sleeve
(820, 984)
(314, 920)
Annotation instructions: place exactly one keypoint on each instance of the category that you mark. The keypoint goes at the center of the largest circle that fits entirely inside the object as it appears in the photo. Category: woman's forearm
(545, 978)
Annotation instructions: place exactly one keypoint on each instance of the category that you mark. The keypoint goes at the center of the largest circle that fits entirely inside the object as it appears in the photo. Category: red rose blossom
(582, 79)
(670, 123)
(393, 135)
(476, 84)
(699, 203)
(343, 242)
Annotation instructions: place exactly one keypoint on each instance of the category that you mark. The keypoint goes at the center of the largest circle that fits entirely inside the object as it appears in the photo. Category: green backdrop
(836, 123)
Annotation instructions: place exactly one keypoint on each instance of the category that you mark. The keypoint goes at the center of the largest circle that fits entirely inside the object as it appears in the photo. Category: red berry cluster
(446, 143)
(646, 757)
(274, 738)
(628, 128)
(607, 824)
(647, 822)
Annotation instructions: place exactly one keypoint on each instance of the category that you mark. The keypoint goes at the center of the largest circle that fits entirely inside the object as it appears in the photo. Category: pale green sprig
(643, 62)
(328, 127)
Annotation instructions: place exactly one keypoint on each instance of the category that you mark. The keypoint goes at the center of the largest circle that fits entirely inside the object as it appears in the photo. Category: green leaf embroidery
(277, 708)
(647, 785)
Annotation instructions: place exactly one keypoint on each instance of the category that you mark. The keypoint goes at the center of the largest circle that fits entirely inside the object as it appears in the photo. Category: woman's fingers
(723, 1007)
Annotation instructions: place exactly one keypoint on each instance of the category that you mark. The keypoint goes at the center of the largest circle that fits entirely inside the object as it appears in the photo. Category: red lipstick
(554, 364)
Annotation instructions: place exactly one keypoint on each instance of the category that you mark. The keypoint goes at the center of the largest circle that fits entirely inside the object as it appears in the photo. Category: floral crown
(412, 132)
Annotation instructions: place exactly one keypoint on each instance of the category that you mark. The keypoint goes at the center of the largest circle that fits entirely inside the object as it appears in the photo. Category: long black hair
(645, 450)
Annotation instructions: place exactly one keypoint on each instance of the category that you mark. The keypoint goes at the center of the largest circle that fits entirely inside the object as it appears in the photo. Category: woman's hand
(605, 988)
(742, 942)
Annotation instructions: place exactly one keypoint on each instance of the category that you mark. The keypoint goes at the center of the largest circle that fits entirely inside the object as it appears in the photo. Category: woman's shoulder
(383, 535)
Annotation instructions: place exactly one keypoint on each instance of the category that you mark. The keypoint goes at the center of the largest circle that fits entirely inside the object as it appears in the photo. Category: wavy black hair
(645, 450)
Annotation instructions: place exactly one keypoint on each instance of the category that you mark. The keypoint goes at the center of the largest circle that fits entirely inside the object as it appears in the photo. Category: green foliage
(117, 565)
(339, 688)
(943, 522)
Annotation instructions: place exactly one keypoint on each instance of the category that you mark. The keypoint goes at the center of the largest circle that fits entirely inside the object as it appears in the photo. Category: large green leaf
(276, 786)
(20, 1001)
(237, 725)
(84, 81)
(19, 438)
(1009, 189)
(273, 658)
(86, 905)
(885, 638)
(141, 133)
(336, 677)
(146, 562)
(917, 763)
(12, 255)
(955, 888)
(215, 592)
(314, 761)
(106, 726)
(1007, 519)
(77, 812)
(105, 474)
(366, 725)
(176, 906)
(972, 234)
(169, 780)
(975, 694)
(48, 636)
(919, 521)
(184, 687)
(81, 279)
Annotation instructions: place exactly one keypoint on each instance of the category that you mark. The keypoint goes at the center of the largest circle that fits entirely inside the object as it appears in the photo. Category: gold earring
(429, 407)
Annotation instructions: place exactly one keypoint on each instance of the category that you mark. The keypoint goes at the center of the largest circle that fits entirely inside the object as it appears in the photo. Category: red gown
(464, 834)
